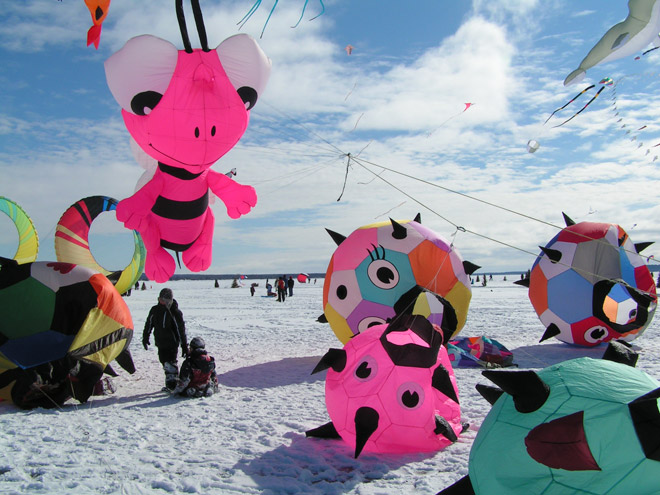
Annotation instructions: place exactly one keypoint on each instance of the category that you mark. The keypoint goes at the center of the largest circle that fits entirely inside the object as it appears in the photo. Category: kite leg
(250, 12)
(159, 266)
(198, 257)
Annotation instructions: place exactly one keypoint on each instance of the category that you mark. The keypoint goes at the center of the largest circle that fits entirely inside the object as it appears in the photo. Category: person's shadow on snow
(287, 371)
(319, 466)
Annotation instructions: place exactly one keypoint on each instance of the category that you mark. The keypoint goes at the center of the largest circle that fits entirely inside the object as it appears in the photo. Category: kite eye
(410, 395)
(595, 335)
(366, 370)
(138, 75)
(246, 66)
(143, 103)
(383, 274)
(369, 322)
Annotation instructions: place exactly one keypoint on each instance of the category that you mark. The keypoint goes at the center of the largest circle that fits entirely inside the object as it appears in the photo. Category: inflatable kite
(186, 109)
(72, 241)
(28, 240)
(639, 29)
(590, 285)
(478, 352)
(584, 426)
(61, 327)
(303, 278)
(373, 270)
(98, 10)
(392, 390)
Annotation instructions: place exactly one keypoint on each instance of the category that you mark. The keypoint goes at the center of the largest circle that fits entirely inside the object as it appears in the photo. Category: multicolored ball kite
(590, 285)
(61, 327)
(583, 426)
(373, 271)
(392, 389)
(185, 109)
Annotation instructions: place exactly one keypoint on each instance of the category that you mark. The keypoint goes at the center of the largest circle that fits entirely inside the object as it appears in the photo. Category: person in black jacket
(166, 320)
(198, 377)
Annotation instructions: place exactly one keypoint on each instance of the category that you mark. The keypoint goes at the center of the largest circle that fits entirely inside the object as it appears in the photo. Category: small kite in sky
(98, 10)
(349, 49)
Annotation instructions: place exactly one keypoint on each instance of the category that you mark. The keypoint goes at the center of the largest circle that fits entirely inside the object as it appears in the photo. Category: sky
(396, 104)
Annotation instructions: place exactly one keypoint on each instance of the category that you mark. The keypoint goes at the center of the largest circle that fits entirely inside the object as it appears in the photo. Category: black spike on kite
(569, 221)
(366, 423)
(418, 218)
(322, 318)
(443, 428)
(646, 419)
(327, 430)
(491, 394)
(553, 254)
(470, 267)
(461, 487)
(552, 331)
(334, 358)
(529, 392)
(523, 281)
(622, 352)
(338, 238)
(399, 232)
(641, 246)
(442, 382)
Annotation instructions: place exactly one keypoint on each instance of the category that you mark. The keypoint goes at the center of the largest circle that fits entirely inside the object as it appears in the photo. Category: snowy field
(250, 437)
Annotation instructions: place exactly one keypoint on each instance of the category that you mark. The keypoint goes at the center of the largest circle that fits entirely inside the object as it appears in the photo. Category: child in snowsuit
(166, 320)
(197, 377)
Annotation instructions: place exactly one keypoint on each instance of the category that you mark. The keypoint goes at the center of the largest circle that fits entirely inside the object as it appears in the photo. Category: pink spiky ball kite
(392, 389)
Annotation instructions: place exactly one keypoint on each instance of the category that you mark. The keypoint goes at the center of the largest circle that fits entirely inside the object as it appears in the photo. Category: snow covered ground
(250, 437)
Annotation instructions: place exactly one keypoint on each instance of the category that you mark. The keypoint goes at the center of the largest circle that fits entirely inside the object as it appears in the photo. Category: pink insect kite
(185, 109)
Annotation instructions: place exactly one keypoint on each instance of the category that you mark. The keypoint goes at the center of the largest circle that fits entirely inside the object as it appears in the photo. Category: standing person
(281, 289)
(252, 289)
(289, 284)
(166, 320)
(198, 377)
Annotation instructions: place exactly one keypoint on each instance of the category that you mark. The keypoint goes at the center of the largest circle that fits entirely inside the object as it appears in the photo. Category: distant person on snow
(281, 289)
(289, 284)
(197, 377)
(166, 320)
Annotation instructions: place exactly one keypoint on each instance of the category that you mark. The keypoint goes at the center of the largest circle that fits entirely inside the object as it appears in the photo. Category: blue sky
(396, 103)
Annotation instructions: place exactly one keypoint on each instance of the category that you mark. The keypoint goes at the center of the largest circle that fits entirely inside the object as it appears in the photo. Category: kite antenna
(199, 22)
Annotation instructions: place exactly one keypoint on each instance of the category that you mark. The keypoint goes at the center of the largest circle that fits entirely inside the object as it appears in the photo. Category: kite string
(483, 236)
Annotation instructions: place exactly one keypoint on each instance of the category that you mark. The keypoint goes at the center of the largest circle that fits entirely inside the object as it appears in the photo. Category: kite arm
(238, 198)
(133, 210)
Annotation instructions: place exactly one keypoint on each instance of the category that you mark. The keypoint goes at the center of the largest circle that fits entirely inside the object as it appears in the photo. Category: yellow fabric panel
(108, 354)
(459, 297)
(338, 324)
(96, 325)
(5, 393)
(5, 364)
(381, 224)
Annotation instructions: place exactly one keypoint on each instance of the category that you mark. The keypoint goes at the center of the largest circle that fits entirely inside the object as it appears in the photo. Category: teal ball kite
(583, 426)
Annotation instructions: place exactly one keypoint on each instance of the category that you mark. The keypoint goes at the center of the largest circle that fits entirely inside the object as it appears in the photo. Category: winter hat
(166, 294)
(197, 343)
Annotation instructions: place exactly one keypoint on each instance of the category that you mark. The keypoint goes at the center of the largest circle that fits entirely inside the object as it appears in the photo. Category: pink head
(187, 108)
(392, 389)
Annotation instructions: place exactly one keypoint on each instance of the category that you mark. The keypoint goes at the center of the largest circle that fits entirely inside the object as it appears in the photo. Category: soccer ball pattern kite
(392, 389)
(56, 312)
(590, 285)
(372, 271)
